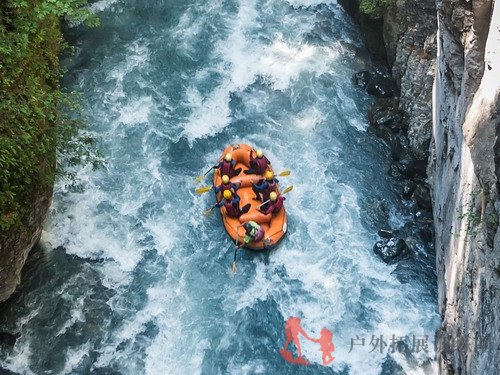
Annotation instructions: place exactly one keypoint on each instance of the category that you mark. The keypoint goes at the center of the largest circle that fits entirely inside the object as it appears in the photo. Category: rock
(408, 189)
(408, 167)
(409, 30)
(400, 147)
(386, 113)
(376, 84)
(361, 79)
(381, 86)
(390, 248)
(422, 197)
(385, 233)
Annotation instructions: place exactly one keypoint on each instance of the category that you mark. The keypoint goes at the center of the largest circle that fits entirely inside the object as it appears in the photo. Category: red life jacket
(226, 168)
(224, 187)
(278, 205)
(232, 210)
(261, 164)
(275, 207)
(272, 186)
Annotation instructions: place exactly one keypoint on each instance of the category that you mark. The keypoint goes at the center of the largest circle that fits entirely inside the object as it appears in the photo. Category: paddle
(233, 265)
(209, 211)
(201, 177)
(203, 190)
(286, 190)
(286, 172)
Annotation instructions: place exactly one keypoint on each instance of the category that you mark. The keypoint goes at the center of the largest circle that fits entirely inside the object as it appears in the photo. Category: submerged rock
(390, 248)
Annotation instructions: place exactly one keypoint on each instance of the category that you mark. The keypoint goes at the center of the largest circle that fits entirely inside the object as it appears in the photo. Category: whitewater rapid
(136, 280)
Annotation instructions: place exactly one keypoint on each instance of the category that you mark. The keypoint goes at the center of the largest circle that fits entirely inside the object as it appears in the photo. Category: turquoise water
(134, 279)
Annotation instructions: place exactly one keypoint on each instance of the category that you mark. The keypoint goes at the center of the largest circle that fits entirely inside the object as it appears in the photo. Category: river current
(134, 279)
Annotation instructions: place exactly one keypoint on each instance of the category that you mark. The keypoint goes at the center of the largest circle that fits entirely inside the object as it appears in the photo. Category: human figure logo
(292, 331)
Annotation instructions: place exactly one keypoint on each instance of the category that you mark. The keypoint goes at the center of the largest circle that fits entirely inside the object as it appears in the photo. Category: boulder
(389, 249)
(408, 189)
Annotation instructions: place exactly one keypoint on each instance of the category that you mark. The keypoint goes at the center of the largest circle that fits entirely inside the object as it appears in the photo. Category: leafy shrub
(375, 7)
(32, 123)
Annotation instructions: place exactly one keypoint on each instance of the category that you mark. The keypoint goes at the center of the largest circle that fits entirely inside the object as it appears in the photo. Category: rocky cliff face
(453, 101)
(464, 171)
(409, 31)
(17, 243)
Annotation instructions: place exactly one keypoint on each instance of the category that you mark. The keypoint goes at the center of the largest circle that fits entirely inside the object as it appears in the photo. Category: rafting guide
(292, 331)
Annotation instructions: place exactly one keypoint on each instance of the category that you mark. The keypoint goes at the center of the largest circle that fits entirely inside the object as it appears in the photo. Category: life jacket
(226, 168)
(224, 187)
(261, 164)
(256, 232)
(271, 186)
(275, 207)
(231, 209)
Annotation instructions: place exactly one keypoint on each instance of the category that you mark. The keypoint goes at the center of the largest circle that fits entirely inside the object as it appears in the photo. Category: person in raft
(232, 205)
(253, 232)
(258, 165)
(226, 166)
(226, 185)
(274, 205)
(265, 187)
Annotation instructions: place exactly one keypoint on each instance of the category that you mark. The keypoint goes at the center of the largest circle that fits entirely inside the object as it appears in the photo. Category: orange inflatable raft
(274, 225)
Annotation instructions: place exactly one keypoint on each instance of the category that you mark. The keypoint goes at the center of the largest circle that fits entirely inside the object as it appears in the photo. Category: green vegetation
(375, 7)
(35, 115)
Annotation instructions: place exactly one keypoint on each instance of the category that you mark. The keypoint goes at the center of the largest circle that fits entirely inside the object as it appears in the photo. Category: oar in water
(233, 265)
(286, 190)
(201, 177)
(209, 211)
(203, 190)
(286, 172)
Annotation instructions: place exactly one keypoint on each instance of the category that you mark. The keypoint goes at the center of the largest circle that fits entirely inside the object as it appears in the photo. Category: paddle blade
(202, 190)
(288, 189)
(207, 212)
(198, 179)
(285, 173)
(233, 267)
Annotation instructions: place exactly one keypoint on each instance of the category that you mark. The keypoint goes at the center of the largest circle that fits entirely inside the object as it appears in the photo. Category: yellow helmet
(273, 196)
(269, 175)
(225, 179)
(228, 157)
(227, 194)
(259, 153)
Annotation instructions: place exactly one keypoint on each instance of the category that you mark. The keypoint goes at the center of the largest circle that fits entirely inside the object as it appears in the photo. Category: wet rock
(386, 113)
(408, 189)
(381, 86)
(408, 167)
(385, 233)
(422, 197)
(389, 249)
(384, 133)
(376, 84)
(400, 147)
(361, 79)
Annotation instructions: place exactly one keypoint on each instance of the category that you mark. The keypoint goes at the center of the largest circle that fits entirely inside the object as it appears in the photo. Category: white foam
(101, 5)
(137, 111)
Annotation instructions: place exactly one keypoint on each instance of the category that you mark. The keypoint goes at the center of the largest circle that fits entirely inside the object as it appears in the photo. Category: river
(134, 279)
